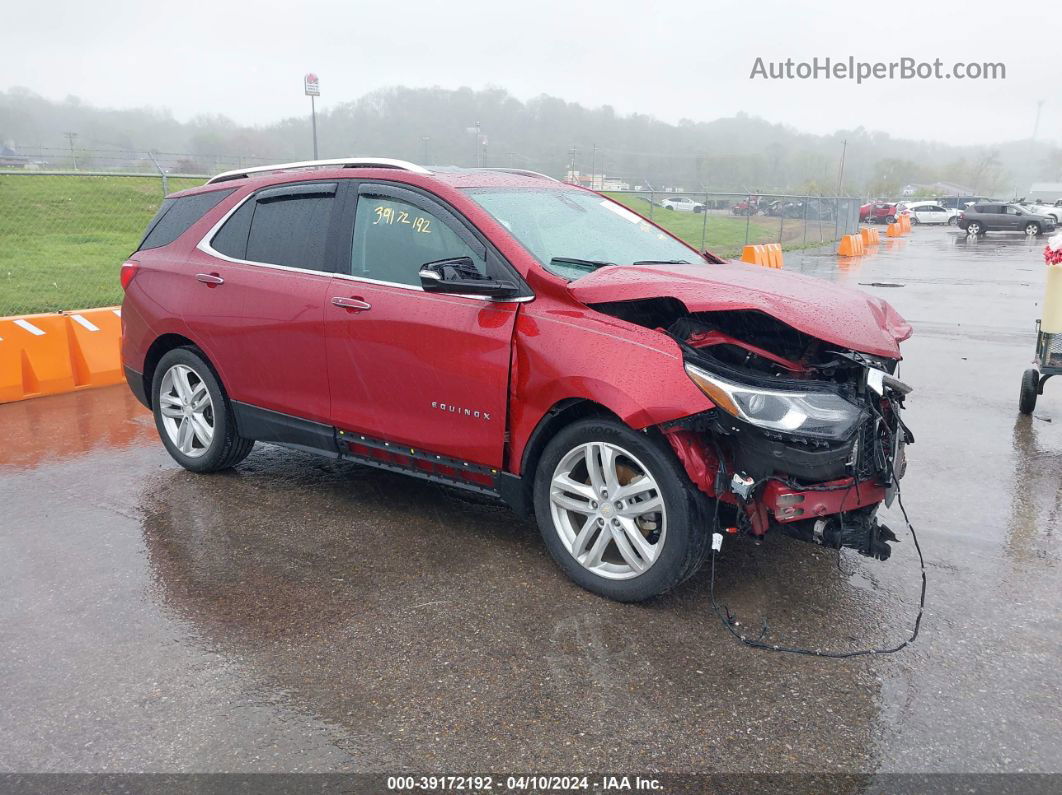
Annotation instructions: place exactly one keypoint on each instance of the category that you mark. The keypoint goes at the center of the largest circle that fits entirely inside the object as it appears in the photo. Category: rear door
(426, 371)
(262, 279)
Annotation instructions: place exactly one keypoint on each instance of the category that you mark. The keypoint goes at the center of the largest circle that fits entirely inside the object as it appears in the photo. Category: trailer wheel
(1030, 385)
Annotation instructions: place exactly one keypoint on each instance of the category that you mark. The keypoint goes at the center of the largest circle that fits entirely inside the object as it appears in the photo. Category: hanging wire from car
(729, 620)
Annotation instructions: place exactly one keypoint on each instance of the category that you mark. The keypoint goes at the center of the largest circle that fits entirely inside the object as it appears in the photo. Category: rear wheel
(1030, 385)
(193, 415)
(617, 512)
(975, 228)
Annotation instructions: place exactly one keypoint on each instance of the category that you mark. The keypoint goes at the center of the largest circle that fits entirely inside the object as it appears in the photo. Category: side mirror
(459, 276)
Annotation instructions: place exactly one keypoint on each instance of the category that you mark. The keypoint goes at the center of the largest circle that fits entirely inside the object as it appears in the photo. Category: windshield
(572, 233)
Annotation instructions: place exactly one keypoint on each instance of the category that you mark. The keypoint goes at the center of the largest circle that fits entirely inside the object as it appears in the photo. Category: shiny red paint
(839, 315)
(428, 371)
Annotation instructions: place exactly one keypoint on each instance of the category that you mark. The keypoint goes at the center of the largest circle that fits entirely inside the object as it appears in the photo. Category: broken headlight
(824, 415)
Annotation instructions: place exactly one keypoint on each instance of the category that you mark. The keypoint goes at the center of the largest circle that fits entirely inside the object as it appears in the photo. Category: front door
(425, 371)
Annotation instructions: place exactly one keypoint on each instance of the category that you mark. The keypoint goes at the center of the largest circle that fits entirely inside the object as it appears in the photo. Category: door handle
(209, 278)
(355, 304)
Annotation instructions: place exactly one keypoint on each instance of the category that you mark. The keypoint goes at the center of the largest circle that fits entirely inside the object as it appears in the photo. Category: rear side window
(287, 225)
(176, 215)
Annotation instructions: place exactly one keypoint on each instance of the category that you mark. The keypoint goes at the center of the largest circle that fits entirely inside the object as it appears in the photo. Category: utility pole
(571, 167)
(593, 169)
(70, 136)
(840, 171)
(479, 146)
(1036, 125)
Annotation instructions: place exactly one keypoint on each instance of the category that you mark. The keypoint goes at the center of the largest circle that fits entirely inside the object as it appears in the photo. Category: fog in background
(663, 91)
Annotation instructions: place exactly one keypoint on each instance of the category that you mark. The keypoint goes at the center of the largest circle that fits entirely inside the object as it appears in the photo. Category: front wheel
(617, 511)
(1032, 229)
(1030, 387)
(193, 415)
(914, 220)
(952, 221)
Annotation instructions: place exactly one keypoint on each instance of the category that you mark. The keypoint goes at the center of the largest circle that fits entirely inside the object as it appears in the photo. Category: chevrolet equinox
(499, 331)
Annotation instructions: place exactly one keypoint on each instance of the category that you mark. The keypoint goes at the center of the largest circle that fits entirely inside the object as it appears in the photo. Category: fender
(635, 373)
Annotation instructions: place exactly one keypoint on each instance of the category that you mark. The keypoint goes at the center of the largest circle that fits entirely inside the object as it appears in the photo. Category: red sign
(311, 85)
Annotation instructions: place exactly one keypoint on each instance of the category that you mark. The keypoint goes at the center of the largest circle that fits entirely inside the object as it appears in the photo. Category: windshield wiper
(662, 262)
(588, 263)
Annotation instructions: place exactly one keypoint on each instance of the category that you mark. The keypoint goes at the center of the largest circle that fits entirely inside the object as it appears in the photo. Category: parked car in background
(1039, 208)
(878, 212)
(501, 332)
(961, 202)
(682, 204)
(929, 213)
(745, 207)
(999, 217)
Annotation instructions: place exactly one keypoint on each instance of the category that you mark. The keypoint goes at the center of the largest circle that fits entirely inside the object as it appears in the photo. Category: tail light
(129, 269)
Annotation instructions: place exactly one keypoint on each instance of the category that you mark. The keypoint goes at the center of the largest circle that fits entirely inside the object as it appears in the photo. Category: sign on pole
(312, 85)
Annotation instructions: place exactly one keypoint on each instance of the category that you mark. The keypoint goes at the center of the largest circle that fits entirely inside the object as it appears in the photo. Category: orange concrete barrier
(752, 254)
(871, 237)
(52, 353)
(774, 255)
(95, 347)
(893, 230)
(851, 246)
(767, 255)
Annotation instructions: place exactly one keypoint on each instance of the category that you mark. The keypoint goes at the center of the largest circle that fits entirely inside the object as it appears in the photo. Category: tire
(890, 219)
(1030, 385)
(680, 526)
(914, 220)
(1032, 229)
(975, 228)
(953, 221)
(669, 207)
(181, 380)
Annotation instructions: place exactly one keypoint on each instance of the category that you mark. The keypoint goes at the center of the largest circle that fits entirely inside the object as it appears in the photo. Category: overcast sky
(685, 59)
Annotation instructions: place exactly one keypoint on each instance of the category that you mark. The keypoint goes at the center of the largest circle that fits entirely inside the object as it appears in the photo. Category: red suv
(500, 331)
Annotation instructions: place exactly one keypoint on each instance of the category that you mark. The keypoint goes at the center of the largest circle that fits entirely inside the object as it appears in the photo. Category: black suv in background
(996, 217)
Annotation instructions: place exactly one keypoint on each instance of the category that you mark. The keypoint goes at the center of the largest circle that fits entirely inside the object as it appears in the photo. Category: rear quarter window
(177, 215)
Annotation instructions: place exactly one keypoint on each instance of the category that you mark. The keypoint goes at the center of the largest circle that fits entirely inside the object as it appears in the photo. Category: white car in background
(682, 204)
(1044, 209)
(930, 213)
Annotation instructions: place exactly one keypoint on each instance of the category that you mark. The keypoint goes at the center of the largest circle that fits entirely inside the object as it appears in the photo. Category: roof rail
(526, 172)
(343, 162)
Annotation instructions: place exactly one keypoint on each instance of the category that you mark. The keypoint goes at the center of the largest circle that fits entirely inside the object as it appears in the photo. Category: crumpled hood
(839, 315)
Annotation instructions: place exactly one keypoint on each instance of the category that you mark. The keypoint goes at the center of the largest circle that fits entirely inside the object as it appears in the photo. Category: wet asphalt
(299, 614)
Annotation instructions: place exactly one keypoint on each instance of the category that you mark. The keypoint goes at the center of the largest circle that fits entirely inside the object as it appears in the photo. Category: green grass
(64, 238)
(726, 234)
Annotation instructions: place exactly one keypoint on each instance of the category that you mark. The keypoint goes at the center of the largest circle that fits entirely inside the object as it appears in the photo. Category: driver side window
(393, 239)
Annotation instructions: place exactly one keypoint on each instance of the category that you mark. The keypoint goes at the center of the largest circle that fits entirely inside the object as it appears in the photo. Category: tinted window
(290, 226)
(231, 239)
(1013, 211)
(176, 215)
(392, 239)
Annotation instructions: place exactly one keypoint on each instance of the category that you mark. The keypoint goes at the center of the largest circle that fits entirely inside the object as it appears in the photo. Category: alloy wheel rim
(187, 410)
(608, 510)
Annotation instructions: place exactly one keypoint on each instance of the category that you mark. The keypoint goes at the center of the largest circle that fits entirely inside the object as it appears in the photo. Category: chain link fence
(724, 223)
(63, 236)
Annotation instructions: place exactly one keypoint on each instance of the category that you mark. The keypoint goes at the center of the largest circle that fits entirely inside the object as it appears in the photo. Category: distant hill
(740, 153)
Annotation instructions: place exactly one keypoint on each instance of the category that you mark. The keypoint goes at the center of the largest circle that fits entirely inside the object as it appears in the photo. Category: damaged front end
(805, 437)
